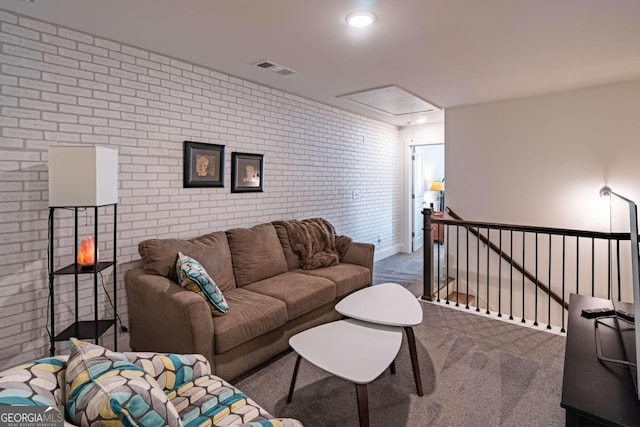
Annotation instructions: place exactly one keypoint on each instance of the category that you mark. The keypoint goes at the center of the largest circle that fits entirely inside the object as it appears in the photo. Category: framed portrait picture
(203, 165)
(247, 172)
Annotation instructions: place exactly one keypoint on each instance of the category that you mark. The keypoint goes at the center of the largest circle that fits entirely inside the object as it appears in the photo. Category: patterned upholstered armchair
(97, 387)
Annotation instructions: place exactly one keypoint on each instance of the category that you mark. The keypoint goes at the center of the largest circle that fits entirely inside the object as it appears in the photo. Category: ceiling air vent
(276, 68)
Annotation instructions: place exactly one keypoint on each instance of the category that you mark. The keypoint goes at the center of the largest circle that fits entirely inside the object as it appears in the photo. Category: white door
(418, 199)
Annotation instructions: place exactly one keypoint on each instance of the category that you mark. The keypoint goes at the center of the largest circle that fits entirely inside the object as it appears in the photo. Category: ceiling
(448, 52)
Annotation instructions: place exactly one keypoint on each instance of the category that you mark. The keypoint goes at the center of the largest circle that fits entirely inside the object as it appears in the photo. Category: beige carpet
(476, 371)
(405, 269)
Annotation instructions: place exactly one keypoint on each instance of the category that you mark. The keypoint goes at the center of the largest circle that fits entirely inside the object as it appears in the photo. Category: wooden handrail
(457, 220)
(473, 230)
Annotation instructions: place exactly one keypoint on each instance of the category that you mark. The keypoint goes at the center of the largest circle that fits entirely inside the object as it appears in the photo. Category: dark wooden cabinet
(596, 393)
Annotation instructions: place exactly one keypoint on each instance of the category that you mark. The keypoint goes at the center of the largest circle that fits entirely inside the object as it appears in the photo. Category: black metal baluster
(457, 266)
(618, 264)
(609, 268)
(438, 272)
(447, 262)
(488, 257)
(478, 274)
(467, 305)
(523, 270)
(500, 276)
(535, 318)
(563, 268)
(593, 268)
(511, 275)
(577, 264)
(549, 293)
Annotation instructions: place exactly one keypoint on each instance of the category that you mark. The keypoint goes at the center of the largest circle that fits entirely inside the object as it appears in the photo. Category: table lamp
(438, 187)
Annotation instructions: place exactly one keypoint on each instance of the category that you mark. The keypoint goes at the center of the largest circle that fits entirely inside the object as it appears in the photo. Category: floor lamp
(633, 230)
(635, 272)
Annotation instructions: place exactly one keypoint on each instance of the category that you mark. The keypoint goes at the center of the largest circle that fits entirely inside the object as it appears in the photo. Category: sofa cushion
(193, 276)
(293, 261)
(347, 277)
(301, 292)
(256, 253)
(250, 315)
(211, 250)
(103, 387)
(37, 383)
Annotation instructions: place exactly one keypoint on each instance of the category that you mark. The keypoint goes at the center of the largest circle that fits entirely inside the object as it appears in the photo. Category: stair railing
(478, 270)
(514, 264)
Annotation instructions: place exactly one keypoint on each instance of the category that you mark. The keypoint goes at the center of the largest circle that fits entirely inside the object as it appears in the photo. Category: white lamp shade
(83, 176)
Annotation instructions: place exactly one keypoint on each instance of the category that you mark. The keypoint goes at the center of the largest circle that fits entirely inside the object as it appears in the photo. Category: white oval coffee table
(351, 349)
(387, 304)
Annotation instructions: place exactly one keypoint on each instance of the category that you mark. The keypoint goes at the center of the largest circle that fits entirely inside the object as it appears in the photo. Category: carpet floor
(476, 371)
(402, 268)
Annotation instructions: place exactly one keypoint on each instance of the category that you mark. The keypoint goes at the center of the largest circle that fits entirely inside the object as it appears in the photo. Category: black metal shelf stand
(82, 329)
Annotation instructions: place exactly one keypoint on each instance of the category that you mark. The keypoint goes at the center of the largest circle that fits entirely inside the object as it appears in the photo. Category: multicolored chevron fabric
(107, 388)
(40, 382)
(211, 401)
(103, 387)
(193, 276)
(276, 422)
(171, 370)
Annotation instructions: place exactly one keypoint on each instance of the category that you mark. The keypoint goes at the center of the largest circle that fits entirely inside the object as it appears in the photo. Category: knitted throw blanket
(315, 243)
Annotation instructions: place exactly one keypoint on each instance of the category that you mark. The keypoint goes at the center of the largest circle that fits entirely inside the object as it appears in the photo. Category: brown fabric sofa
(270, 298)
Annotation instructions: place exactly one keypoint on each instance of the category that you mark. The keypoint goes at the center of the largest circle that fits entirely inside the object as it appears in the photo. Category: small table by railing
(438, 229)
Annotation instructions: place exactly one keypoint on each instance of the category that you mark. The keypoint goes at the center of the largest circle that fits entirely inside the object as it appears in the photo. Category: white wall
(542, 160)
(59, 86)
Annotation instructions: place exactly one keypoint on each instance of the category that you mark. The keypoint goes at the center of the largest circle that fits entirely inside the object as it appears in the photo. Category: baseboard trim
(386, 252)
(555, 330)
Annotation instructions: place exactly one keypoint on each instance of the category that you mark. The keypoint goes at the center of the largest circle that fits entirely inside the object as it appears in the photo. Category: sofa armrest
(163, 317)
(360, 254)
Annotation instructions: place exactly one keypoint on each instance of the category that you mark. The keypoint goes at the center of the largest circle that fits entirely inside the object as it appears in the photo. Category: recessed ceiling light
(421, 121)
(362, 18)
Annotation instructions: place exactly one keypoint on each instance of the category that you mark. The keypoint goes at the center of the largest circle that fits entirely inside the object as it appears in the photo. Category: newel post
(428, 292)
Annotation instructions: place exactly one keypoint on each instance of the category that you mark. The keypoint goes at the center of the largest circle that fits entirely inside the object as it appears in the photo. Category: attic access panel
(391, 100)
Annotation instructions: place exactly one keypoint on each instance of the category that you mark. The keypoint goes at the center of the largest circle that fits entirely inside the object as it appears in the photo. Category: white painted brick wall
(59, 86)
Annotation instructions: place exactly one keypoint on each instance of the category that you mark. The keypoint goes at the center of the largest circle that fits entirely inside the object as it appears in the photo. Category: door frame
(429, 133)
(415, 196)
(407, 221)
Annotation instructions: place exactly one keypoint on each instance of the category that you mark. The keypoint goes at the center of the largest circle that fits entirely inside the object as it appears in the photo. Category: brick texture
(60, 86)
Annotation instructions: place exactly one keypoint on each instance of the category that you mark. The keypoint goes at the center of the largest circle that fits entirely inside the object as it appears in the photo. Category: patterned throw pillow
(39, 383)
(171, 370)
(104, 388)
(193, 276)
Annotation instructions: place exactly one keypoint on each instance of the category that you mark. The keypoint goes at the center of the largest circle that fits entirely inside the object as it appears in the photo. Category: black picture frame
(203, 165)
(247, 173)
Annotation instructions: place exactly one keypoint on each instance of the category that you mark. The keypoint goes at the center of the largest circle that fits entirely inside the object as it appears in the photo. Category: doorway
(427, 166)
